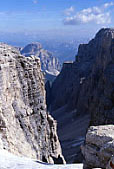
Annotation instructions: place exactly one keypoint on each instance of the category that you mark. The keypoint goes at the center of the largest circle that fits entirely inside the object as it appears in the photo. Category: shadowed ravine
(71, 132)
(83, 93)
(81, 97)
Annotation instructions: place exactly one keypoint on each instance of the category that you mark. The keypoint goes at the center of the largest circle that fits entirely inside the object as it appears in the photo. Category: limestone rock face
(98, 90)
(25, 127)
(86, 86)
(99, 146)
(89, 81)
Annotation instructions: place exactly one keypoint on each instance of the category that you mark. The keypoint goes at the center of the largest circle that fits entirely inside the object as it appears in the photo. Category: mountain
(26, 129)
(82, 94)
(63, 47)
(63, 50)
(49, 64)
(98, 88)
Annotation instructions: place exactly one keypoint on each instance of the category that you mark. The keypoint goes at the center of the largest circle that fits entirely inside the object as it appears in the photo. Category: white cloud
(106, 5)
(69, 11)
(35, 1)
(97, 15)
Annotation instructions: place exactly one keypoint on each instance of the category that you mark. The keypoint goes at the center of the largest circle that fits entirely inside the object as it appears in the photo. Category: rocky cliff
(49, 63)
(25, 127)
(85, 89)
(97, 93)
(97, 98)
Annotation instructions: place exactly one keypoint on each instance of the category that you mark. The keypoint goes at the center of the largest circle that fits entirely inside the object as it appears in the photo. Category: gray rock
(87, 85)
(25, 127)
(99, 146)
(98, 87)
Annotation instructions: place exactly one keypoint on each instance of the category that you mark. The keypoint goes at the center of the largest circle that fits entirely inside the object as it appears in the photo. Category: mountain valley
(65, 119)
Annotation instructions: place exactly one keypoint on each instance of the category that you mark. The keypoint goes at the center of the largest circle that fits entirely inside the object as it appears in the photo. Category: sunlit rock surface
(99, 146)
(25, 127)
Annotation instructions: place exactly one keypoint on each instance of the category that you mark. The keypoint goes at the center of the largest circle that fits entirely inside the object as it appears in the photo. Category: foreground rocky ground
(99, 147)
(9, 161)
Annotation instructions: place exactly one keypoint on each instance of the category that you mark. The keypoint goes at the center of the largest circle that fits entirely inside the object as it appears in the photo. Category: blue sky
(61, 17)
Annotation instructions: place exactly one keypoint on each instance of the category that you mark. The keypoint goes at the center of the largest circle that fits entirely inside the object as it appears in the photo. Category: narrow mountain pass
(71, 133)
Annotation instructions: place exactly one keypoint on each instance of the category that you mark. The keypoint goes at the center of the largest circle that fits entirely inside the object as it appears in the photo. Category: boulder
(99, 146)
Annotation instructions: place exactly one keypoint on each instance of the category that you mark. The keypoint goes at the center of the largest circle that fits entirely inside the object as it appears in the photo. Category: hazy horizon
(35, 20)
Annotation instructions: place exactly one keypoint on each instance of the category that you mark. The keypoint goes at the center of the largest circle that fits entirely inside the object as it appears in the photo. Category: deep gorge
(82, 94)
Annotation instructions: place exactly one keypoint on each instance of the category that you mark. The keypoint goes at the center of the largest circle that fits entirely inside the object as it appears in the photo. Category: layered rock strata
(25, 127)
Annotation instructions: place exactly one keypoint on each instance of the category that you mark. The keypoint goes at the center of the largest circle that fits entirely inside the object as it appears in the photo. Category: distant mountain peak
(31, 49)
(49, 63)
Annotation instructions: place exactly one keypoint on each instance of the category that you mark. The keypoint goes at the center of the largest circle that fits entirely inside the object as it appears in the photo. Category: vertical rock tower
(25, 127)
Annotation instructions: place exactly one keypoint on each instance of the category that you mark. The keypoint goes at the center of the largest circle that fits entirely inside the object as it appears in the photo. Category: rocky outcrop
(91, 74)
(25, 127)
(49, 63)
(99, 147)
(86, 86)
(98, 90)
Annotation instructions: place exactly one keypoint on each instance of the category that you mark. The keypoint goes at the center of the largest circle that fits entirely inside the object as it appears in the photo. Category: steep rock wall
(98, 90)
(89, 80)
(25, 127)
(86, 86)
